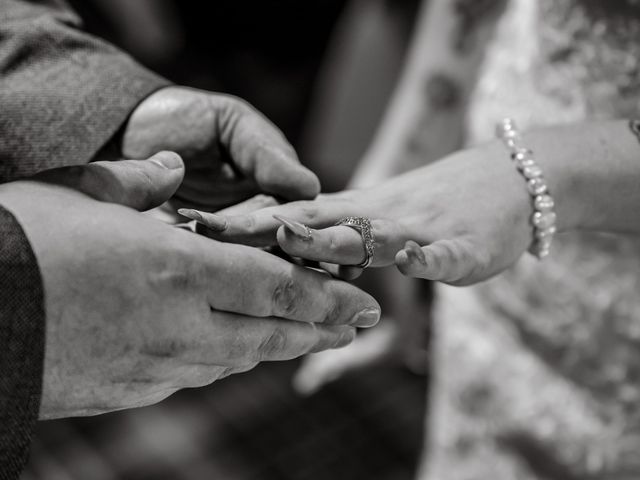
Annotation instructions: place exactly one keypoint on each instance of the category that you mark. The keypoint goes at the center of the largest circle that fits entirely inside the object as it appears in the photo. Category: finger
(258, 229)
(249, 206)
(260, 151)
(262, 285)
(211, 223)
(140, 184)
(344, 245)
(246, 340)
(449, 261)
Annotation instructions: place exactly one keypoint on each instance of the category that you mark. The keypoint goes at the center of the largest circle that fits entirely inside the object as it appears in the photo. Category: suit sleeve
(22, 330)
(63, 93)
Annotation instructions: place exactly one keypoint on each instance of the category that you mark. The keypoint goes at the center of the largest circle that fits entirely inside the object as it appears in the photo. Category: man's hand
(231, 151)
(137, 309)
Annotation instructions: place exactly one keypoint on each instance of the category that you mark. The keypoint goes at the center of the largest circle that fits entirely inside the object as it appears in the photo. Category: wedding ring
(363, 226)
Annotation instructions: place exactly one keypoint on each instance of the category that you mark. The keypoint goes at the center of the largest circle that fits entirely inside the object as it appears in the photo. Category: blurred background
(323, 71)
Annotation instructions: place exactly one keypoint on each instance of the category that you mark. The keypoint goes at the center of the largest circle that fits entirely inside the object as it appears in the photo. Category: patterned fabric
(21, 345)
(63, 95)
(538, 371)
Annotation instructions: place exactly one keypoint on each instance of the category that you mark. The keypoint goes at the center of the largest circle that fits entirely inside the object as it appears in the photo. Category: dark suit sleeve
(63, 93)
(63, 96)
(21, 345)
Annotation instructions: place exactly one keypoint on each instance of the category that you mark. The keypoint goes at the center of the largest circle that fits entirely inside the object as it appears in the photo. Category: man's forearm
(63, 93)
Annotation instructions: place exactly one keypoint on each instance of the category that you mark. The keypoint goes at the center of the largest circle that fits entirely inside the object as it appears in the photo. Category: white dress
(537, 372)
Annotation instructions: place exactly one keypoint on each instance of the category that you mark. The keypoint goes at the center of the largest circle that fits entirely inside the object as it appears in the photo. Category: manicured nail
(367, 318)
(213, 221)
(192, 214)
(300, 230)
(169, 160)
(414, 252)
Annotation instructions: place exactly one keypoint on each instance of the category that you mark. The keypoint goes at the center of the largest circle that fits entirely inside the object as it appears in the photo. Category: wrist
(562, 177)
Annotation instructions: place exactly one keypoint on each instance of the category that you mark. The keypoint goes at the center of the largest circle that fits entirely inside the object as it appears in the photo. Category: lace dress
(537, 372)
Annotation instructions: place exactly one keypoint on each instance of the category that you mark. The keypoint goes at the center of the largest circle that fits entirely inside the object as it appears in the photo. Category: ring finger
(341, 244)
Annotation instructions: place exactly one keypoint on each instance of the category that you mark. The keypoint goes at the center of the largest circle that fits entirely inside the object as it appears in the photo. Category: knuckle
(286, 297)
(478, 264)
(437, 265)
(233, 106)
(451, 252)
(333, 313)
(142, 190)
(241, 104)
(453, 264)
(309, 211)
(249, 224)
(272, 344)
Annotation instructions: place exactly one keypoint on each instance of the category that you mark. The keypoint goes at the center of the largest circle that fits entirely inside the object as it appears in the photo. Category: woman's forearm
(593, 171)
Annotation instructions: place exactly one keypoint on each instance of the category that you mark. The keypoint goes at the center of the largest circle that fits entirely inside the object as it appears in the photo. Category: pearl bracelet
(543, 219)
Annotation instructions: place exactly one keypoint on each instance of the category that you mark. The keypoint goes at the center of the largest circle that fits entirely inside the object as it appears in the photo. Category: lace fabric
(537, 372)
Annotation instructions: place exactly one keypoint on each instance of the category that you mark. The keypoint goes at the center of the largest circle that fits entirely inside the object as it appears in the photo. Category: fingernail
(415, 253)
(367, 318)
(298, 229)
(169, 160)
(192, 214)
(213, 221)
(216, 222)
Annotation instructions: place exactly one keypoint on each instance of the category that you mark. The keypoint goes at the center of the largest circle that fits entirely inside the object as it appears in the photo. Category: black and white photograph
(320, 240)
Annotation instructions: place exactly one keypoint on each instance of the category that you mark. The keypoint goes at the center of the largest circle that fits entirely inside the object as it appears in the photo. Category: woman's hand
(459, 220)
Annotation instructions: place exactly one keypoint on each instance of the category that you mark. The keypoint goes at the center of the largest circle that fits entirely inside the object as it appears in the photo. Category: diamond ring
(363, 226)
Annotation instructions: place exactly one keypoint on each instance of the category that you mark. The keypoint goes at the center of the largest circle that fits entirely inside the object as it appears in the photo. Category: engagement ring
(363, 227)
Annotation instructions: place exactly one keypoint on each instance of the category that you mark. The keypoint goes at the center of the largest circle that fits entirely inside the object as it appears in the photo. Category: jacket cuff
(22, 331)
(67, 98)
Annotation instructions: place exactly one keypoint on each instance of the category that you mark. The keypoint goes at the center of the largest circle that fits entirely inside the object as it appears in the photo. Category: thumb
(139, 184)
(448, 261)
(261, 152)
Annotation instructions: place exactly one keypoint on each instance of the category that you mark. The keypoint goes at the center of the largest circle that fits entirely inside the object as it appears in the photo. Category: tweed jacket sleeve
(21, 345)
(63, 96)
(63, 93)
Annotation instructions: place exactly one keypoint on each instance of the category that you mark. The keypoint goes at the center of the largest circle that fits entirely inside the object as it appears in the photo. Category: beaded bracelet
(544, 217)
